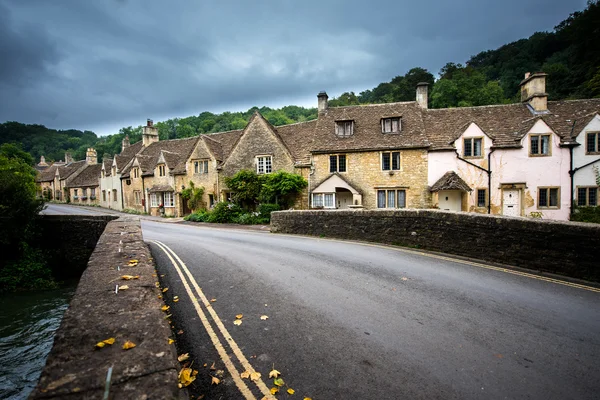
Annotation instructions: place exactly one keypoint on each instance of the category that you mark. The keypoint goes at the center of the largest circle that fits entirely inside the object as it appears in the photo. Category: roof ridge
(473, 107)
(374, 105)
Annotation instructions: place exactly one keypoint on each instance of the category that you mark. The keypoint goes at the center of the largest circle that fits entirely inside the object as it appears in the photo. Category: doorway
(511, 202)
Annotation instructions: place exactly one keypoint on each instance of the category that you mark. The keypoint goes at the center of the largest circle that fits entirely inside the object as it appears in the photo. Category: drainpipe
(122, 190)
(488, 171)
(144, 193)
(310, 174)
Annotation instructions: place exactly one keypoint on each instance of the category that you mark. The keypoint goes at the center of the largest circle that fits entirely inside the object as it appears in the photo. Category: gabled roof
(332, 182)
(176, 153)
(107, 166)
(298, 139)
(48, 174)
(569, 117)
(450, 181)
(64, 172)
(367, 128)
(88, 177)
(226, 142)
(127, 155)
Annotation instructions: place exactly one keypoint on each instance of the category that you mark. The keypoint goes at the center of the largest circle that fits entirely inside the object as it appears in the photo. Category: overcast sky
(104, 64)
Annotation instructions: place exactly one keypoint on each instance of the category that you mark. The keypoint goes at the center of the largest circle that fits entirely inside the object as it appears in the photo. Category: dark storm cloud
(94, 64)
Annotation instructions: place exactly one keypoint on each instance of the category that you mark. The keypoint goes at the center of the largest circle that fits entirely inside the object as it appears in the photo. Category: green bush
(224, 213)
(586, 214)
(248, 219)
(29, 271)
(198, 216)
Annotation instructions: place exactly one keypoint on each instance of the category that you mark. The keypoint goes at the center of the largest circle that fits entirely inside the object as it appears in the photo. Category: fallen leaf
(255, 376)
(274, 373)
(404, 278)
(159, 296)
(307, 398)
(245, 375)
(165, 289)
(168, 316)
(220, 373)
(154, 275)
(195, 372)
(171, 341)
(205, 364)
(109, 340)
(175, 300)
(123, 287)
(215, 381)
(212, 367)
(213, 300)
(180, 332)
(186, 377)
(133, 261)
(175, 297)
(274, 390)
(239, 316)
(165, 307)
(128, 345)
(162, 276)
(157, 284)
(100, 345)
(183, 357)
(264, 317)
(237, 322)
(291, 391)
(278, 382)
(130, 277)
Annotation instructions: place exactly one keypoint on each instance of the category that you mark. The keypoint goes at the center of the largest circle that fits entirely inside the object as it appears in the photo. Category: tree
(245, 186)
(281, 188)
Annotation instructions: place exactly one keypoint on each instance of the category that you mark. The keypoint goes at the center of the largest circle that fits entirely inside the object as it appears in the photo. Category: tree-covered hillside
(570, 54)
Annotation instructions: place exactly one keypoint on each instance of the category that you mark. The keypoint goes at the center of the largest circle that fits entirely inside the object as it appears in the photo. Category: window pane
(481, 197)
(317, 200)
(328, 200)
(553, 197)
(381, 199)
(385, 161)
(332, 163)
(348, 131)
(545, 143)
(591, 142)
(593, 197)
(196, 167)
(396, 160)
(387, 125)
(395, 123)
(268, 165)
(543, 198)
(535, 145)
(467, 145)
(401, 198)
(342, 163)
(477, 147)
(581, 196)
(391, 198)
(260, 165)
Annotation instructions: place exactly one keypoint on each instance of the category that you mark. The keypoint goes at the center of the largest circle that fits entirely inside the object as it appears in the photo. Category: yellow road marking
(236, 350)
(213, 336)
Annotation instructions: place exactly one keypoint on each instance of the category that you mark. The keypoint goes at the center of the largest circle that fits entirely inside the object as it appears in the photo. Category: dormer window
(391, 125)
(161, 170)
(539, 145)
(136, 172)
(344, 129)
(201, 167)
(264, 164)
(472, 147)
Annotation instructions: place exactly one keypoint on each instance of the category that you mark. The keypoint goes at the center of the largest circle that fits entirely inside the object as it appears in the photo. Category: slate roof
(127, 155)
(67, 170)
(161, 188)
(175, 151)
(450, 181)
(227, 141)
(107, 162)
(88, 177)
(48, 174)
(298, 139)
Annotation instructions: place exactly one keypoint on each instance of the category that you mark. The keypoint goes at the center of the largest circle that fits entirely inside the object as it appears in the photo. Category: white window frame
(137, 197)
(168, 199)
(390, 121)
(344, 129)
(153, 200)
(323, 200)
(264, 164)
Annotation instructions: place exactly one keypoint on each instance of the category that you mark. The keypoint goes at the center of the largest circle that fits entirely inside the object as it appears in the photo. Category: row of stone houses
(530, 159)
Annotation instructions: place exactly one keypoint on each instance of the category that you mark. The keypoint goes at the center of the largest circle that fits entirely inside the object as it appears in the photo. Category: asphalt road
(355, 321)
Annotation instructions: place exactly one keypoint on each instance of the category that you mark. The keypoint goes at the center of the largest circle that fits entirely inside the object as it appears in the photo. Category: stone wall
(566, 248)
(75, 368)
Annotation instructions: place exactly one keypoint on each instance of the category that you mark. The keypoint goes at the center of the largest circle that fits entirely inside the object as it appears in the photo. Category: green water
(27, 325)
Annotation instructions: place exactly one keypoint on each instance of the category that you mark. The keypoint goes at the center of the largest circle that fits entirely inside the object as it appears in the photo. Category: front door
(511, 202)
(449, 200)
(343, 198)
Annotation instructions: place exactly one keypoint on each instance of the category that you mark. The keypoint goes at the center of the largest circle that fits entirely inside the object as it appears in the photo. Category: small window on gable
(201, 167)
(161, 170)
(136, 173)
(539, 145)
(264, 164)
(344, 128)
(391, 125)
(472, 147)
(592, 143)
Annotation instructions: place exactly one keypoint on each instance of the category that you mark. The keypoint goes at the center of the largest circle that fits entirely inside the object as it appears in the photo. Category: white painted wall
(450, 200)
(585, 176)
(108, 184)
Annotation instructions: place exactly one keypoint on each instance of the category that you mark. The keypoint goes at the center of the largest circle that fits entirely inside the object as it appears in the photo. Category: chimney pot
(149, 122)
(322, 101)
(422, 95)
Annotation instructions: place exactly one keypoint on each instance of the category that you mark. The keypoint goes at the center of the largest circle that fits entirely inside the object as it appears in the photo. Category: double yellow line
(180, 267)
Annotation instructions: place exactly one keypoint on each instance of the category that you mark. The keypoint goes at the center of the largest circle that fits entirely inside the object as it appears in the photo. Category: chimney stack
(42, 162)
(150, 134)
(323, 104)
(533, 92)
(91, 157)
(68, 158)
(422, 89)
(125, 143)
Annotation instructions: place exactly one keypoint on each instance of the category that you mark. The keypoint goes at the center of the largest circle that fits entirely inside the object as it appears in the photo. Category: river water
(27, 324)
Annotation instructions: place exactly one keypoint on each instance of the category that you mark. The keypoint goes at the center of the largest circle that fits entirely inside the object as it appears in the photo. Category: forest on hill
(570, 54)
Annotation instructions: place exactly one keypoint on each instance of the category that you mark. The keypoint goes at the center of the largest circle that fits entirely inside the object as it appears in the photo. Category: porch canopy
(161, 188)
(332, 183)
(450, 181)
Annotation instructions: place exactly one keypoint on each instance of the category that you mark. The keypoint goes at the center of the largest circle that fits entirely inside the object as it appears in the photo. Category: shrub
(29, 271)
(193, 196)
(198, 216)
(248, 218)
(224, 212)
(586, 214)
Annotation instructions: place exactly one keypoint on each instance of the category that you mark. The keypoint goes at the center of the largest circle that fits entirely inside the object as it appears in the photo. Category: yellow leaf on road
(175, 300)
(264, 317)
(307, 398)
(213, 300)
(175, 297)
(237, 322)
(165, 308)
(212, 367)
(130, 277)
(123, 287)
(274, 373)
(278, 382)
(255, 376)
(274, 390)
(245, 375)
(109, 340)
(186, 376)
(404, 278)
(215, 381)
(291, 391)
(128, 345)
(171, 341)
(105, 342)
(183, 357)
(100, 345)
(239, 316)
(157, 284)
(133, 261)
(165, 289)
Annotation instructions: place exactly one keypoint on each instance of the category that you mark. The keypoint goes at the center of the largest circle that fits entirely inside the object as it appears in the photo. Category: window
(326, 200)
(161, 170)
(93, 193)
(391, 198)
(114, 194)
(264, 165)
(592, 143)
(390, 161)
(472, 147)
(75, 192)
(136, 172)
(153, 200)
(211, 200)
(137, 197)
(548, 198)
(344, 128)
(587, 196)
(539, 145)
(337, 163)
(481, 197)
(104, 195)
(201, 167)
(169, 199)
(390, 125)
